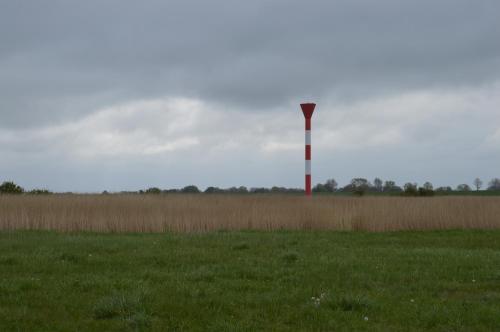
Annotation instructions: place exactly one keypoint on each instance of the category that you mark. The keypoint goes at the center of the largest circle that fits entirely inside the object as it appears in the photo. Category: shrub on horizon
(391, 187)
(360, 186)
(9, 187)
(463, 187)
(319, 188)
(410, 189)
(153, 190)
(237, 190)
(213, 190)
(191, 189)
(444, 190)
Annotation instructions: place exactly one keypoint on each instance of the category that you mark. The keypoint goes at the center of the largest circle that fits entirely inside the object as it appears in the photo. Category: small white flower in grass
(473, 280)
(412, 300)
(316, 301)
(365, 318)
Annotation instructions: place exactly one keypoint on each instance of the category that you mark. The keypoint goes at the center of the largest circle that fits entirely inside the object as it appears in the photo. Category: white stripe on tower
(308, 137)
(308, 167)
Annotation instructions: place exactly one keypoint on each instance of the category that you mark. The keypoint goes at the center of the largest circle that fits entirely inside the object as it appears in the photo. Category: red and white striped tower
(308, 110)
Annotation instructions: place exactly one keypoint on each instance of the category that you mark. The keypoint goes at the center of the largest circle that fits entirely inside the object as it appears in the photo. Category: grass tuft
(241, 246)
(139, 320)
(9, 261)
(128, 307)
(290, 257)
(69, 258)
(353, 303)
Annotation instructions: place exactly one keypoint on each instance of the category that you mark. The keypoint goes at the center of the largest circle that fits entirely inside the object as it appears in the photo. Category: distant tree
(105, 192)
(428, 186)
(378, 184)
(276, 189)
(478, 183)
(494, 184)
(210, 190)
(320, 188)
(191, 189)
(360, 186)
(388, 185)
(295, 190)
(153, 190)
(391, 187)
(444, 190)
(410, 189)
(39, 192)
(409, 186)
(242, 190)
(213, 190)
(331, 185)
(170, 191)
(426, 190)
(260, 190)
(9, 187)
(348, 188)
(463, 187)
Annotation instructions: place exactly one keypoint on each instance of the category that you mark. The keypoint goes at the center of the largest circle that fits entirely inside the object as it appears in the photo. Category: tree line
(361, 186)
(357, 186)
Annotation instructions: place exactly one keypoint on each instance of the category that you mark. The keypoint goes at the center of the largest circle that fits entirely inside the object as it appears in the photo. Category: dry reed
(199, 213)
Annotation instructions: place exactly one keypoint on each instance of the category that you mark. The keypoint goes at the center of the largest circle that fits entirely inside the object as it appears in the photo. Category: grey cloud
(64, 58)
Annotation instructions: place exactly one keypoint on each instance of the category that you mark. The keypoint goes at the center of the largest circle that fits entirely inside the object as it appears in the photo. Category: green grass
(250, 281)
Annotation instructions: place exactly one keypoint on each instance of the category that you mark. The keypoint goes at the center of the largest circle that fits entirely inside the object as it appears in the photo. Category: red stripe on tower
(308, 110)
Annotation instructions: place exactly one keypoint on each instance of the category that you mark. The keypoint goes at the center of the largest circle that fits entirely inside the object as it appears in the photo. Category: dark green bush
(192, 189)
(9, 187)
(153, 190)
(410, 189)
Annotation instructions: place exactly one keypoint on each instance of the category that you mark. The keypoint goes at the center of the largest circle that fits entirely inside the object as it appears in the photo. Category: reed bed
(203, 212)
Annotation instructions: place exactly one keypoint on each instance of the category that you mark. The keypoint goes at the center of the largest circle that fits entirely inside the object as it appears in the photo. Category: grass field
(250, 281)
(205, 212)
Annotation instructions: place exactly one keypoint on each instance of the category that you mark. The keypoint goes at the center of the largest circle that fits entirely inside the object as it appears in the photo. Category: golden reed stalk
(203, 212)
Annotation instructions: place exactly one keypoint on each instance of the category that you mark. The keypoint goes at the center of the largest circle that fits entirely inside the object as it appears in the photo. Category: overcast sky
(124, 95)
